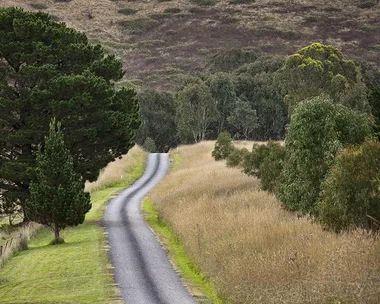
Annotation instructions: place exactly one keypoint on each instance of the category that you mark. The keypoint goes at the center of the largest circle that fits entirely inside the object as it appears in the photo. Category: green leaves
(317, 131)
(322, 69)
(57, 197)
(49, 70)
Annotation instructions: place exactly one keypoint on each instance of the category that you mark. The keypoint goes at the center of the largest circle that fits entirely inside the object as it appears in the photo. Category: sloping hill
(161, 39)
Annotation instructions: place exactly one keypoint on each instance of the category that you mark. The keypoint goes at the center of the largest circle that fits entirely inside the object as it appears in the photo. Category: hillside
(162, 39)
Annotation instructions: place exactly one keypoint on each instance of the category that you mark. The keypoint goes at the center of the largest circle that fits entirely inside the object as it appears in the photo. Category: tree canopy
(49, 70)
(318, 130)
(322, 69)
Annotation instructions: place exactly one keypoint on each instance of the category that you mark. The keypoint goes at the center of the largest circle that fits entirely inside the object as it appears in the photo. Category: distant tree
(195, 110)
(256, 83)
(57, 197)
(350, 194)
(49, 70)
(322, 69)
(149, 145)
(223, 146)
(229, 60)
(244, 118)
(157, 111)
(318, 130)
(222, 90)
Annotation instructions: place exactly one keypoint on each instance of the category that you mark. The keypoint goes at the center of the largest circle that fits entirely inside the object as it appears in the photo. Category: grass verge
(200, 287)
(77, 271)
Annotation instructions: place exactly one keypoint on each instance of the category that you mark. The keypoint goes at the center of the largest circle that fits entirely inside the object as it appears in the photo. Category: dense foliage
(350, 193)
(57, 197)
(318, 130)
(322, 69)
(223, 146)
(49, 70)
(157, 112)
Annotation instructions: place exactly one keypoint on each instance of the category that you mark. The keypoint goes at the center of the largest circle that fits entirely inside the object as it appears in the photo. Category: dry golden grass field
(159, 40)
(252, 249)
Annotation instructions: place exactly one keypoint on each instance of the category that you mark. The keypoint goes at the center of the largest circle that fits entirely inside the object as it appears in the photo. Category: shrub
(223, 146)
(127, 11)
(252, 161)
(350, 196)
(139, 25)
(172, 10)
(367, 3)
(203, 2)
(271, 167)
(38, 6)
(236, 157)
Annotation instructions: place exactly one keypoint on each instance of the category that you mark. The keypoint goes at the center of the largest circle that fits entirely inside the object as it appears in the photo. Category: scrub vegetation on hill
(160, 40)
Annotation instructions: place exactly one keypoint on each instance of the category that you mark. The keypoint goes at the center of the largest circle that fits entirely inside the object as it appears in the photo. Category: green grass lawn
(75, 272)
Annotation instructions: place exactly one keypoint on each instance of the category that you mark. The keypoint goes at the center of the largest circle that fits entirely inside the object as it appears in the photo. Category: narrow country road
(141, 266)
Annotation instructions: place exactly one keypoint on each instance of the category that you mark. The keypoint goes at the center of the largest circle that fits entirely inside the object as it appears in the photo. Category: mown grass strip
(74, 272)
(200, 287)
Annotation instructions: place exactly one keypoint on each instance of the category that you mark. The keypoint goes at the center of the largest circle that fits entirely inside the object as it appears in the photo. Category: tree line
(329, 166)
(239, 94)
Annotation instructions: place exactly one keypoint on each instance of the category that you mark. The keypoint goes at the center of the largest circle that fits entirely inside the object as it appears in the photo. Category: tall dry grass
(115, 171)
(255, 251)
(17, 240)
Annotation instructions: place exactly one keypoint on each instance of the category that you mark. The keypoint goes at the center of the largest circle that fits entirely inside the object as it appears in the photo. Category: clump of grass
(204, 2)
(242, 1)
(172, 10)
(38, 6)
(140, 25)
(252, 249)
(367, 3)
(127, 11)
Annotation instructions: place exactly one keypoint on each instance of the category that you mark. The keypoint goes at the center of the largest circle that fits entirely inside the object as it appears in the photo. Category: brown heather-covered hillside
(162, 39)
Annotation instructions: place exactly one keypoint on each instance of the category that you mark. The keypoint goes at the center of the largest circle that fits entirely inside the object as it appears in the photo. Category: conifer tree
(57, 197)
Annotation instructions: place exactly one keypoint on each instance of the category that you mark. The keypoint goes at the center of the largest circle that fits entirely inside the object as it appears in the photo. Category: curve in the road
(142, 269)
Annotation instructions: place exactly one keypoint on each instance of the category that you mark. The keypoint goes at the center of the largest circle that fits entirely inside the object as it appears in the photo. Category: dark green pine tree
(49, 70)
(57, 197)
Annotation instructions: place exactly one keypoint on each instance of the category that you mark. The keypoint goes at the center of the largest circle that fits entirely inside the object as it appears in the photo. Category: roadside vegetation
(252, 249)
(40, 273)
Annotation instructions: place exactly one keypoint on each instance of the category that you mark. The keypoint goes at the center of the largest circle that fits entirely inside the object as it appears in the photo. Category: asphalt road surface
(142, 269)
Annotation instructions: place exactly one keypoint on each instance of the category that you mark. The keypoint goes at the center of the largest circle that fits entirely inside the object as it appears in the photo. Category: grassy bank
(253, 250)
(199, 286)
(77, 271)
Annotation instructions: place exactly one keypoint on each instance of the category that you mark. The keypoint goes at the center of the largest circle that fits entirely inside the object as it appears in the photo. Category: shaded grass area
(200, 287)
(77, 271)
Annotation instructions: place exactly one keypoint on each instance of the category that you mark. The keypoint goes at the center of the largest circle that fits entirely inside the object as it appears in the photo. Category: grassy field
(252, 249)
(161, 40)
(77, 271)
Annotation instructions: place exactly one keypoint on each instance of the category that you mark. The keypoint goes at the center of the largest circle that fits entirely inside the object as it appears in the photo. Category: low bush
(223, 146)
(172, 10)
(127, 11)
(204, 2)
(38, 6)
(137, 26)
